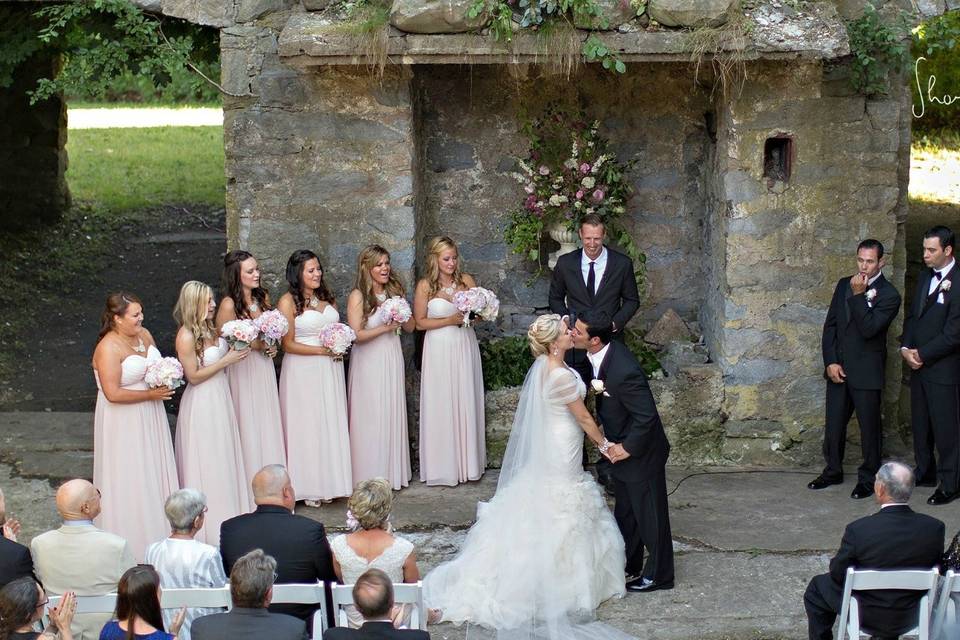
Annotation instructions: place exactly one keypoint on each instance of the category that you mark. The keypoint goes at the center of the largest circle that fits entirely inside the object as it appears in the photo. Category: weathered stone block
(613, 13)
(691, 13)
(669, 327)
(434, 16)
(316, 5)
(499, 407)
(212, 13)
(250, 10)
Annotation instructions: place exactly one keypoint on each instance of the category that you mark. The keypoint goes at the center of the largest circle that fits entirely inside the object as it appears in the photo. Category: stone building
(750, 196)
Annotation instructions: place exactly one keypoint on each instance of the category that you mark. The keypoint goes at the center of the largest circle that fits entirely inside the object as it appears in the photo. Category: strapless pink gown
(256, 402)
(313, 404)
(208, 448)
(379, 443)
(133, 461)
(452, 425)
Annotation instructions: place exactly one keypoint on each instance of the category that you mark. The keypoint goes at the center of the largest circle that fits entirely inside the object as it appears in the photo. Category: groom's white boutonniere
(871, 294)
(598, 387)
(945, 285)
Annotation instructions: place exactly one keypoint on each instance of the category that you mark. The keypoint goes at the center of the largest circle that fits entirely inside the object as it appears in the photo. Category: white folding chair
(403, 593)
(85, 604)
(869, 580)
(304, 594)
(946, 612)
(206, 597)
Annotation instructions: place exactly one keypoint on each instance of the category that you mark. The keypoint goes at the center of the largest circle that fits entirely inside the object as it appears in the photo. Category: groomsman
(854, 355)
(931, 347)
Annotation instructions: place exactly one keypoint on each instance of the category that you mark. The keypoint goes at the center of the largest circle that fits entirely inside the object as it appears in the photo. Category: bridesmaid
(452, 444)
(253, 380)
(133, 461)
(379, 443)
(208, 440)
(313, 399)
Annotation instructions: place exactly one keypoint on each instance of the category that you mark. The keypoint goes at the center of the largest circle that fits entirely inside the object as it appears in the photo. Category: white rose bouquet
(338, 338)
(165, 372)
(395, 309)
(240, 333)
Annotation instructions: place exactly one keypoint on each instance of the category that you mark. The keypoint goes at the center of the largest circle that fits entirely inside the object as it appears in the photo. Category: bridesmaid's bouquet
(240, 333)
(338, 338)
(395, 309)
(272, 326)
(165, 372)
(475, 302)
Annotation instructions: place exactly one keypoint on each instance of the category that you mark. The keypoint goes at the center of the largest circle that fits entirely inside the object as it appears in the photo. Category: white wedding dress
(545, 551)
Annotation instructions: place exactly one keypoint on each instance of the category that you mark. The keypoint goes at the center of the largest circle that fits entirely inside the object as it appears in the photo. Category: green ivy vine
(878, 46)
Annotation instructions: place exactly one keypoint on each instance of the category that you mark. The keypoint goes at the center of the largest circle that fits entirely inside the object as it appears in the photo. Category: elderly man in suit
(251, 588)
(893, 538)
(373, 597)
(15, 561)
(298, 544)
(78, 556)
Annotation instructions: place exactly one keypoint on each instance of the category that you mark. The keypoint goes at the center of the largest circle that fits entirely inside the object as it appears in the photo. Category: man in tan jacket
(80, 557)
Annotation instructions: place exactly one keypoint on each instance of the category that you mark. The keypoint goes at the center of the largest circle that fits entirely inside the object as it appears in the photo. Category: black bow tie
(937, 274)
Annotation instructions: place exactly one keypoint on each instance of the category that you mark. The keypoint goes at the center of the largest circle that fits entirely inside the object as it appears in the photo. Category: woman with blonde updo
(208, 438)
(376, 390)
(546, 546)
(133, 460)
(372, 544)
(452, 444)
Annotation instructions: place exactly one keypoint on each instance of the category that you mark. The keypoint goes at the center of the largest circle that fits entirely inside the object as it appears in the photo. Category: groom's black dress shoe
(862, 490)
(822, 482)
(645, 585)
(939, 497)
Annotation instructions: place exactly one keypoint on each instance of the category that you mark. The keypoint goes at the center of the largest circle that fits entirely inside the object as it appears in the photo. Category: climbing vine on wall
(878, 45)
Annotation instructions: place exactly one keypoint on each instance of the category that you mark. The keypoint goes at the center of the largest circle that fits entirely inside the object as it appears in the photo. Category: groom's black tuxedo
(629, 416)
(855, 337)
(933, 328)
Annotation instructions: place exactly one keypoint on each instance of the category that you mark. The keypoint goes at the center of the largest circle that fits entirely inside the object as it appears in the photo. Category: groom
(629, 419)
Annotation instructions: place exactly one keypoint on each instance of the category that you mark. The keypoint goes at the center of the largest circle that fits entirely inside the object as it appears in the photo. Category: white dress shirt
(934, 281)
(599, 266)
(596, 359)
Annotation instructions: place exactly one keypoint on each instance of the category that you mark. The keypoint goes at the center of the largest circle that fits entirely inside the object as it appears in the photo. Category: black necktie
(591, 281)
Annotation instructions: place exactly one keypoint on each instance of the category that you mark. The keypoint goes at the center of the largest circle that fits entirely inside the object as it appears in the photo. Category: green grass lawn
(122, 169)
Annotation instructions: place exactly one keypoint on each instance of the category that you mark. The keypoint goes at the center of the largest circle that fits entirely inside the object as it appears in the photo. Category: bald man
(298, 544)
(80, 557)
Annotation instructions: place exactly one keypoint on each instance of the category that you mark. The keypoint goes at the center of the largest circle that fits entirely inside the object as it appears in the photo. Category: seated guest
(138, 608)
(893, 538)
(298, 544)
(79, 556)
(372, 544)
(251, 588)
(181, 561)
(22, 602)
(15, 559)
(373, 596)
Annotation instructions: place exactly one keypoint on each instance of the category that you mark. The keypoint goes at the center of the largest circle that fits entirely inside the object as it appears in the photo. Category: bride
(545, 551)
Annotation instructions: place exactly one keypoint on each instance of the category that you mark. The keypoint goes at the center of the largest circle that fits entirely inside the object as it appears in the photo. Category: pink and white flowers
(273, 326)
(165, 372)
(240, 333)
(395, 310)
(338, 338)
(477, 301)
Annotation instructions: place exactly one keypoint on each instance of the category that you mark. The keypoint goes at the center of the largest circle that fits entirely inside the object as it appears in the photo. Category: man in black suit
(630, 420)
(373, 597)
(251, 587)
(15, 560)
(854, 357)
(299, 544)
(893, 538)
(931, 348)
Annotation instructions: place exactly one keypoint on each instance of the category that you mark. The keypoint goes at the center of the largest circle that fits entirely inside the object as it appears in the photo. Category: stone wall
(33, 160)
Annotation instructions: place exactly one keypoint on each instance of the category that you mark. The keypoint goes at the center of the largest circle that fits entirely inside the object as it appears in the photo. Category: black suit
(615, 293)
(248, 624)
(933, 328)
(15, 561)
(893, 538)
(629, 416)
(375, 631)
(855, 337)
(298, 544)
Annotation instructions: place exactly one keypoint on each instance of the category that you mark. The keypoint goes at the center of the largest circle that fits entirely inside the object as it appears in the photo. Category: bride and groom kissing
(545, 551)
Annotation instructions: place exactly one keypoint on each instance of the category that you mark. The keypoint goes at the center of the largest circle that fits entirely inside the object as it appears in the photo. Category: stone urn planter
(568, 239)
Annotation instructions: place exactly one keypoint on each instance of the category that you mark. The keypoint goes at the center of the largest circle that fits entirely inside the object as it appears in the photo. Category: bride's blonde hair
(542, 332)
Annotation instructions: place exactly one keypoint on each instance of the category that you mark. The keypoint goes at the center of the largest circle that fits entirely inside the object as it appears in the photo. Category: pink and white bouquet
(165, 372)
(475, 302)
(240, 333)
(338, 338)
(273, 326)
(395, 309)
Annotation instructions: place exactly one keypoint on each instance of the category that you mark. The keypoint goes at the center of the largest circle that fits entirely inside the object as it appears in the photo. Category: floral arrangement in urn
(568, 173)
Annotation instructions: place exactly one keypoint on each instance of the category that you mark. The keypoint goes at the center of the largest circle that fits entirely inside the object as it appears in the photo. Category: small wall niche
(777, 158)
